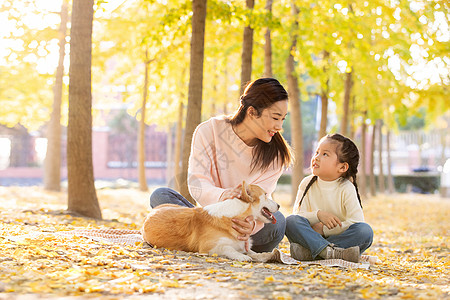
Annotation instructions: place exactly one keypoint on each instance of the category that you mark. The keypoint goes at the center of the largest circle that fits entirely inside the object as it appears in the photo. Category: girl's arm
(328, 219)
(353, 211)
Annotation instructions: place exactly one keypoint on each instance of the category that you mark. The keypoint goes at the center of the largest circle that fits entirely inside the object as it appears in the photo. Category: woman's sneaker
(300, 253)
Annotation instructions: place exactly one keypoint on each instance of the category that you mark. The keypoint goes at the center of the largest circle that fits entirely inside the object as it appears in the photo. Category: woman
(246, 146)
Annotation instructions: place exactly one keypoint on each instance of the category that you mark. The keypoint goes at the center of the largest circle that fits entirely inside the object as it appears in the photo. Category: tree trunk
(268, 45)
(215, 93)
(381, 184)
(324, 98)
(323, 115)
(178, 145)
(372, 160)
(194, 108)
(346, 104)
(82, 197)
(363, 176)
(296, 116)
(141, 135)
(247, 51)
(389, 164)
(52, 163)
(352, 133)
(169, 158)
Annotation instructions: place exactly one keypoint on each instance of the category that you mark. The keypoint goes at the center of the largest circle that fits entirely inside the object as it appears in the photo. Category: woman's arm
(201, 184)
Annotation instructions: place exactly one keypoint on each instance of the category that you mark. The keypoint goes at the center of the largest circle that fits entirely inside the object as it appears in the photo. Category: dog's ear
(245, 193)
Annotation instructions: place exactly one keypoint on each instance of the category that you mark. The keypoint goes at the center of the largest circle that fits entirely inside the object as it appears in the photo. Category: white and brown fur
(209, 229)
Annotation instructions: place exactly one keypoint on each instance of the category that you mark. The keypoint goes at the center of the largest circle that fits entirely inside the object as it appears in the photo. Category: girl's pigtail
(348, 152)
(313, 179)
(356, 187)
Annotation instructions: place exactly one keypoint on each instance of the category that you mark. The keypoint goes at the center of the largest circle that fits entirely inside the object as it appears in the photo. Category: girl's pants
(264, 240)
(299, 230)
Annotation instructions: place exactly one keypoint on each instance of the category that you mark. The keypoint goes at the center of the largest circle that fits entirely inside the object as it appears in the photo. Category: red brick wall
(155, 151)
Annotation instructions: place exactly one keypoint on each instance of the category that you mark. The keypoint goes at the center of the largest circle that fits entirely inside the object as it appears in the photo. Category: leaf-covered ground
(411, 240)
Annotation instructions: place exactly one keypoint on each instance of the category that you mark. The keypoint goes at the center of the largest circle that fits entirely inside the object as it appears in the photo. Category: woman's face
(265, 126)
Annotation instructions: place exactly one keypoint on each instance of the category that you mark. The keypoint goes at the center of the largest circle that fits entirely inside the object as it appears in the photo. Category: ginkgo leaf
(414, 257)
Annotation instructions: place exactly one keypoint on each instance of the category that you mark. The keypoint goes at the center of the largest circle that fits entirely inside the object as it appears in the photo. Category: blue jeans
(299, 230)
(264, 240)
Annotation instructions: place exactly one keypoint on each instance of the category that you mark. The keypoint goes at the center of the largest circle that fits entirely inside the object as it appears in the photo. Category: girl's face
(325, 163)
(269, 122)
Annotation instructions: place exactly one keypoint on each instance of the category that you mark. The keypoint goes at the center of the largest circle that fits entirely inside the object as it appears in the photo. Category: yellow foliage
(414, 255)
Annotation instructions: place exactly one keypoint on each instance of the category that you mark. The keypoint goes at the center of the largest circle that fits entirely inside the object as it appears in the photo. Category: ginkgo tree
(52, 163)
(361, 38)
(147, 62)
(348, 52)
(30, 35)
(82, 196)
(368, 57)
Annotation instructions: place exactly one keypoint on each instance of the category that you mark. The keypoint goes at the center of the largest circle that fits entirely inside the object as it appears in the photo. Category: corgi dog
(209, 229)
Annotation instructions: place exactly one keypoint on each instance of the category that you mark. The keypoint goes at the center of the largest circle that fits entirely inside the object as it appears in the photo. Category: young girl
(328, 221)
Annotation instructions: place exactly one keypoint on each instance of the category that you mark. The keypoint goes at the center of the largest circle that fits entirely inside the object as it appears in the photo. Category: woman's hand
(231, 193)
(244, 228)
(328, 219)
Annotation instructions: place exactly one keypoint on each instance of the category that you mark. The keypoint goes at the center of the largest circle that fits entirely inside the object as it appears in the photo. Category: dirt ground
(411, 241)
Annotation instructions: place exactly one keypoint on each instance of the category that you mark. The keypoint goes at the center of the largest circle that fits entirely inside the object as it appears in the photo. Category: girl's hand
(231, 193)
(318, 227)
(244, 228)
(328, 219)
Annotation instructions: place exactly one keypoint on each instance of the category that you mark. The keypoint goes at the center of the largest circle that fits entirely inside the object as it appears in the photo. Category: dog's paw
(239, 257)
(245, 258)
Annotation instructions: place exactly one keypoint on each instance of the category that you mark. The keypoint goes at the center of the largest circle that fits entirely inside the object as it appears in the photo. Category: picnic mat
(134, 238)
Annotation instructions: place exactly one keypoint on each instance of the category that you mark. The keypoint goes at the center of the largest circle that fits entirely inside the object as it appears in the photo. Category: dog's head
(262, 206)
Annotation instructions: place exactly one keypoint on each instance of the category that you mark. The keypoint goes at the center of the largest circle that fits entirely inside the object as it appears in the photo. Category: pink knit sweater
(220, 160)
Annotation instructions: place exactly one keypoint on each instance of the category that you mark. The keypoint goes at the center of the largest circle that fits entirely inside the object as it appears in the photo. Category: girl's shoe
(349, 254)
(300, 253)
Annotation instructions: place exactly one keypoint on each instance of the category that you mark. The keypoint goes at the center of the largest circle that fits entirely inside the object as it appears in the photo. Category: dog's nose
(278, 206)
